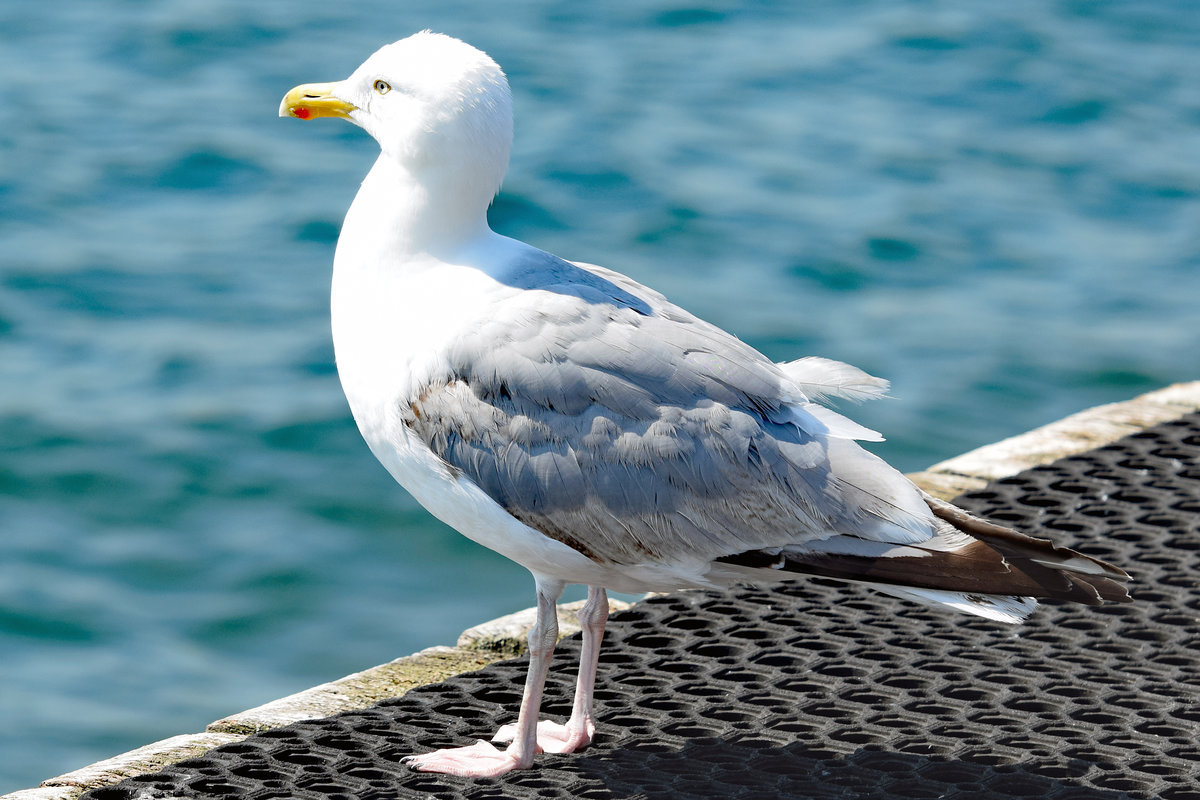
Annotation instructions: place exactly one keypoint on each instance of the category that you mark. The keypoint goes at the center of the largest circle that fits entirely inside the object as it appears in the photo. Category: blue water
(995, 205)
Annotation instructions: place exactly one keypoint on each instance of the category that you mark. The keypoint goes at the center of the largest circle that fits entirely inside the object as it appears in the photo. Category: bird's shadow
(721, 767)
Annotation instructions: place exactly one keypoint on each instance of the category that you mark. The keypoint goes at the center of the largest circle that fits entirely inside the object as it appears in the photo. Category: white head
(438, 107)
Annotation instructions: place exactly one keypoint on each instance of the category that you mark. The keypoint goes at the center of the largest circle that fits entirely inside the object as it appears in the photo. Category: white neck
(407, 213)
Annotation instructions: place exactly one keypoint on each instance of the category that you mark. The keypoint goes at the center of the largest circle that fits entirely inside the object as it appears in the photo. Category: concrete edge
(150, 758)
(505, 637)
(509, 634)
(356, 691)
(1078, 433)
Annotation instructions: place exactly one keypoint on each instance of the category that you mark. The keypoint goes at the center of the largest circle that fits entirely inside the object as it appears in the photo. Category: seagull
(585, 427)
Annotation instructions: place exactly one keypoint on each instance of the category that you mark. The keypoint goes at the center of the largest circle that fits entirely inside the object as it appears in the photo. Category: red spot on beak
(302, 113)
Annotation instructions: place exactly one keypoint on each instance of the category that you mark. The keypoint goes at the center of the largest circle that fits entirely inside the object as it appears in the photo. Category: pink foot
(552, 737)
(480, 760)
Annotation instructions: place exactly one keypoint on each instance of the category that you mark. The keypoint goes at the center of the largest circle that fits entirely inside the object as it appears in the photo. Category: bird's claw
(480, 760)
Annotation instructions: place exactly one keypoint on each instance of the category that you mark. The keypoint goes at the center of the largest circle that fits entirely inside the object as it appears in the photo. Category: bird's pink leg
(581, 727)
(483, 759)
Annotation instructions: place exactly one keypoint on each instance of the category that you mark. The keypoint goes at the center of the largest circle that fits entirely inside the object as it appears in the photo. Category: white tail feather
(1001, 608)
(823, 379)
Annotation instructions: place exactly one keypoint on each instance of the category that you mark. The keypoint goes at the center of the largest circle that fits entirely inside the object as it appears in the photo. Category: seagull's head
(431, 101)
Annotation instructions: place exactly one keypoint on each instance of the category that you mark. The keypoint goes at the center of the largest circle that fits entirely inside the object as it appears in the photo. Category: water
(994, 205)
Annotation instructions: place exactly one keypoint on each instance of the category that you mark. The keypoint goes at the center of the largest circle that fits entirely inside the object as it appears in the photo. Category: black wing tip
(997, 561)
(1020, 546)
(1103, 588)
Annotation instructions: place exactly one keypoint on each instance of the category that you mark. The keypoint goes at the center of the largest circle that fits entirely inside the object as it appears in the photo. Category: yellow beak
(312, 100)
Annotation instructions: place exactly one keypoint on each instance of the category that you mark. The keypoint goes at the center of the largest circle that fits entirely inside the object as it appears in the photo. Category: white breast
(391, 329)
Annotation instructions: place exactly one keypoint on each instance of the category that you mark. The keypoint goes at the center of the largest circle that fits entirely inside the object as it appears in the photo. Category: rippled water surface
(992, 204)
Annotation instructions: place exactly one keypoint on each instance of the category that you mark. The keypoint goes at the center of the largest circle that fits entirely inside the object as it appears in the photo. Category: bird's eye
(383, 87)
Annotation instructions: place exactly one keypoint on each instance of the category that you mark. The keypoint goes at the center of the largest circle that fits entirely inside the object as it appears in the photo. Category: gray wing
(635, 432)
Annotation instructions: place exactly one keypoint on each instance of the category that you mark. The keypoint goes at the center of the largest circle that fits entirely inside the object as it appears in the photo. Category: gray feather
(633, 431)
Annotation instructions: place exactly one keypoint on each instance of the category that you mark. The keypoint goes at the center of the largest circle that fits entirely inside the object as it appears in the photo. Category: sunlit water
(995, 206)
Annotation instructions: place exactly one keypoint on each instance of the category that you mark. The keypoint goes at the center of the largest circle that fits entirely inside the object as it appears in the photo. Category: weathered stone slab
(508, 636)
(358, 690)
(1077, 433)
(150, 758)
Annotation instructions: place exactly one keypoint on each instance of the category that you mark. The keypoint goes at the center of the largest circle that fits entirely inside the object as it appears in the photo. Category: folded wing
(636, 433)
